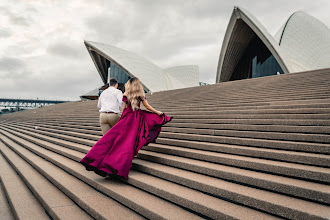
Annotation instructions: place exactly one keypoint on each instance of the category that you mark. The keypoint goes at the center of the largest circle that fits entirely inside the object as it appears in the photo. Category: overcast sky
(42, 54)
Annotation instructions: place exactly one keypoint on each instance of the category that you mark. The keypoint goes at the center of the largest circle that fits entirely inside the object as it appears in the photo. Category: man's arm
(99, 102)
(120, 100)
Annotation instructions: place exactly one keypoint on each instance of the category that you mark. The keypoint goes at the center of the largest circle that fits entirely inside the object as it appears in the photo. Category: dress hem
(100, 172)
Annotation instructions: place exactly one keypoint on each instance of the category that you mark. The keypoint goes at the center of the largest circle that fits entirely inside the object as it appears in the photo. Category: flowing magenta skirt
(114, 152)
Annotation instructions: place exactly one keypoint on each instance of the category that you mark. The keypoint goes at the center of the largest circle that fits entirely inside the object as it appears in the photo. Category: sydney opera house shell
(114, 62)
(249, 51)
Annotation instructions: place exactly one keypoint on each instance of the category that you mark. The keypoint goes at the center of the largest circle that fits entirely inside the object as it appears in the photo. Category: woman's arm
(146, 104)
(124, 106)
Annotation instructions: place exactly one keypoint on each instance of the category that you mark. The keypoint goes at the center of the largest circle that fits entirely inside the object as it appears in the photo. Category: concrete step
(204, 115)
(87, 134)
(264, 84)
(288, 207)
(66, 128)
(74, 114)
(240, 150)
(306, 172)
(269, 82)
(237, 127)
(78, 119)
(313, 138)
(50, 118)
(212, 108)
(269, 120)
(314, 103)
(93, 123)
(258, 94)
(85, 196)
(56, 135)
(297, 122)
(250, 105)
(231, 103)
(75, 154)
(280, 155)
(247, 90)
(279, 184)
(59, 130)
(207, 211)
(240, 107)
(275, 144)
(94, 126)
(5, 211)
(306, 122)
(199, 204)
(262, 143)
(218, 118)
(216, 110)
(253, 116)
(256, 152)
(254, 111)
(142, 202)
(251, 89)
(297, 191)
(209, 206)
(245, 127)
(209, 94)
(23, 203)
(57, 204)
(242, 100)
(46, 139)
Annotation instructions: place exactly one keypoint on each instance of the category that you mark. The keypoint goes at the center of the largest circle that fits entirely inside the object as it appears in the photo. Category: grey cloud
(62, 83)
(4, 33)
(11, 64)
(196, 9)
(154, 25)
(66, 48)
(105, 26)
(14, 18)
(19, 20)
(160, 30)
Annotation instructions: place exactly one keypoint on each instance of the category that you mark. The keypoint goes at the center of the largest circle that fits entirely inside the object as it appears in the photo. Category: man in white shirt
(110, 104)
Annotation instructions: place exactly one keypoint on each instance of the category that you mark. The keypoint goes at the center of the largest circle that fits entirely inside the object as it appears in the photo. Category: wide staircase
(248, 149)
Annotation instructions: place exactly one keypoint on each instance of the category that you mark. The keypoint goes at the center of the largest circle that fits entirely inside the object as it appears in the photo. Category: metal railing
(26, 103)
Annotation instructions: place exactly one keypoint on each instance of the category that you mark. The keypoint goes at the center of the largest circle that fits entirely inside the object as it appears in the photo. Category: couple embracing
(112, 155)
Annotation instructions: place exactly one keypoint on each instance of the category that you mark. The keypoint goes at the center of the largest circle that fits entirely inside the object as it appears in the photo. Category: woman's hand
(145, 103)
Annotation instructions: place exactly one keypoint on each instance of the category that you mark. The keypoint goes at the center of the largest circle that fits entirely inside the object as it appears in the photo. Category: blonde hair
(134, 92)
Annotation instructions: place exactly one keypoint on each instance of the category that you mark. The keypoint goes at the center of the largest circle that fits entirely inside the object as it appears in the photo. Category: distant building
(249, 51)
(114, 62)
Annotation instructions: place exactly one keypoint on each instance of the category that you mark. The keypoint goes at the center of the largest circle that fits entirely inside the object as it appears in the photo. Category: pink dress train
(114, 152)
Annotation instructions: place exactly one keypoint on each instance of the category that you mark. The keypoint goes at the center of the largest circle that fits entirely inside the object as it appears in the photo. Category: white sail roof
(151, 76)
(306, 42)
(301, 44)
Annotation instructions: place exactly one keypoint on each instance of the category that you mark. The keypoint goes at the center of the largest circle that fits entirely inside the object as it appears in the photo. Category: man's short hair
(113, 82)
(105, 86)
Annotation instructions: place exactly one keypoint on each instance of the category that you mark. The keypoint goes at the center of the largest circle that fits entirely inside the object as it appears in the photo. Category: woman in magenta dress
(114, 152)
